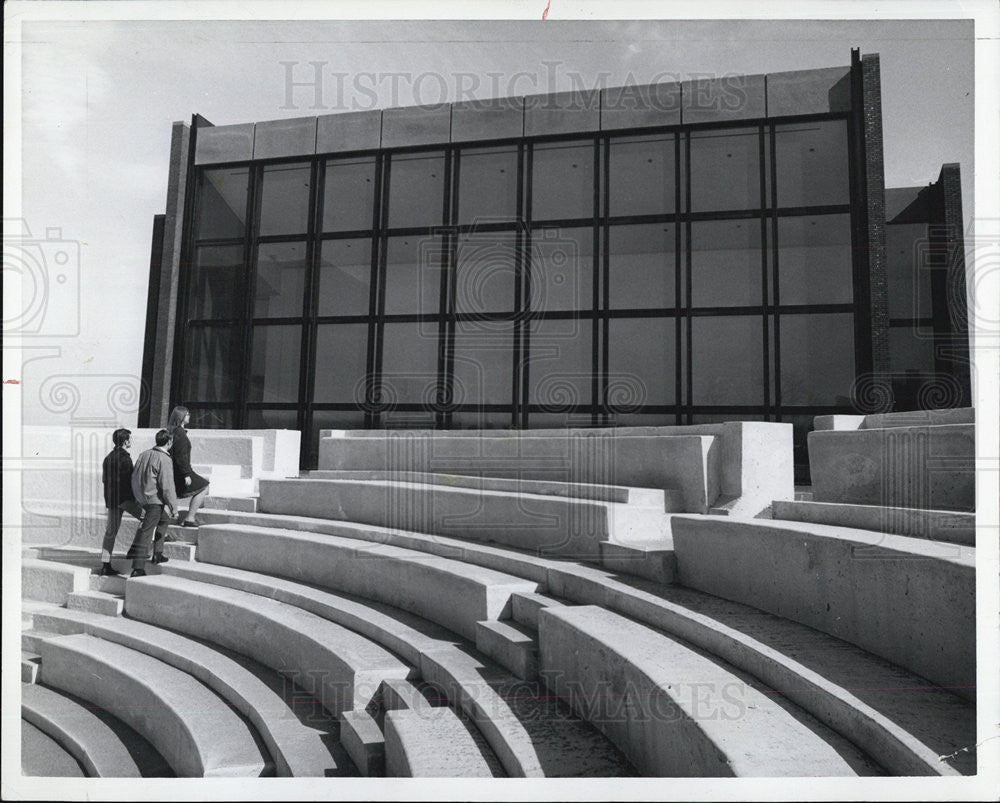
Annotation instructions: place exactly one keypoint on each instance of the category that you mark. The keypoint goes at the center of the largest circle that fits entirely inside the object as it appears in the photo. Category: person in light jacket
(189, 484)
(153, 486)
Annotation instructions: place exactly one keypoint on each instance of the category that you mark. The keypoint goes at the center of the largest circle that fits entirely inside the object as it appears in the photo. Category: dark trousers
(114, 522)
(153, 520)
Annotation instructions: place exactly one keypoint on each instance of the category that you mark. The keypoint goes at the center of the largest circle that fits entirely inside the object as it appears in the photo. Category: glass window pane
(814, 260)
(908, 257)
(284, 205)
(344, 277)
(911, 348)
(211, 364)
(562, 420)
(811, 163)
(407, 419)
(416, 191)
(642, 176)
(560, 366)
(274, 364)
(272, 419)
(476, 419)
(725, 170)
(410, 363)
(222, 203)
(348, 194)
(817, 358)
(642, 266)
(487, 185)
(562, 269)
(211, 418)
(641, 360)
(341, 355)
(725, 263)
(642, 419)
(484, 356)
(413, 275)
(216, 283)
(562, 183)
(727, 360)
(280, 284)
(486, 272)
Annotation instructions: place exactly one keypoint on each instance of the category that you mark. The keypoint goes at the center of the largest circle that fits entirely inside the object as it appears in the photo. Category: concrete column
(875, 195)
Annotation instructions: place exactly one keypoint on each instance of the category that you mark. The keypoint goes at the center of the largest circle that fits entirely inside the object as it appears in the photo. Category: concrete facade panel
(809, 91)
(562, 113)
(639, 106)
(279, 138)
(350, 131)
(224, 143)
(716, 100)
(494, 118)
(416, 125)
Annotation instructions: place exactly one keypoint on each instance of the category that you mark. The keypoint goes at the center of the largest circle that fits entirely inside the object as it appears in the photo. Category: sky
(98, 100)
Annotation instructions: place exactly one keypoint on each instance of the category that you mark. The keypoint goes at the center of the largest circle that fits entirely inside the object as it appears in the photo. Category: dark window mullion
(688, 280)
(377, 327)
(525, 355)
(775, 281)
(602, 399)
(595, 282)
(310, 305)
(761, 144)
(446, 329)
(255, 180)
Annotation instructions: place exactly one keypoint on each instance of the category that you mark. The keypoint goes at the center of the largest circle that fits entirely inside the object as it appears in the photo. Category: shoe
(171, 537)
(107, 570)
(190, 524)
(159, 557)
(138, 573)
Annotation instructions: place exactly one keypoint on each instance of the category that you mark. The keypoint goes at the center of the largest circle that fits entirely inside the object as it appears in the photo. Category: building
(668, 254)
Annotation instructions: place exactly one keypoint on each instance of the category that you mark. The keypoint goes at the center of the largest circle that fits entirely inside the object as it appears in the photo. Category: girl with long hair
(189, 484)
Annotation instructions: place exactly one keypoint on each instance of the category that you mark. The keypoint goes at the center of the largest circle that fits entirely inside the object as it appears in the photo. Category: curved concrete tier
(910, 601)
(300, 738)
(104, 747)
(431, 743)
(48, 581)
(532, 733)
(43, 757)
(904, 732)
(548, 525)
(189, 725)
(450, 593)
(341, 668)
(675, 711)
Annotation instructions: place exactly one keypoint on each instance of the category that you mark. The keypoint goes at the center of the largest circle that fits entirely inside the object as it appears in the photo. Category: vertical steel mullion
(775, 274)
(445, 344)
(763, 270)
(526, 320)
(373, 283)
(678, 295)
(179, 369)
(376, 326)
(595, 283)
(605, 304)
(255, 181)
(688, 279)
(520, 253)
(309, 305)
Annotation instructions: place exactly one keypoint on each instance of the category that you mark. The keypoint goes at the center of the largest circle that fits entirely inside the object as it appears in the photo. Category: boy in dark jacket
(118, 496)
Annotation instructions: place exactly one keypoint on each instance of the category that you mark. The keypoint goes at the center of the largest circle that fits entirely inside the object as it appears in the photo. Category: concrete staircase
(388, 621)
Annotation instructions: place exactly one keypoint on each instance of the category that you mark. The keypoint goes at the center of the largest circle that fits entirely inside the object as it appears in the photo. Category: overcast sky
(99, 98)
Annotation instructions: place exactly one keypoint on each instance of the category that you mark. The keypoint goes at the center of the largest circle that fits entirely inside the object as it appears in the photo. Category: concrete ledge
(510, 645)
(431, 743)
(525, 608)
(194, 730)
(86, 735)
(346, 668)
(638, 687)
(732, 97)
(224, 143)
(916, 418)
(935, 525)
(43, 757)
(929, 467)
(96, 602)
(444, 591)
(47, 581)
(364, 743)
(296, 737)
(901, 598)
(31, 665)
(654, 560)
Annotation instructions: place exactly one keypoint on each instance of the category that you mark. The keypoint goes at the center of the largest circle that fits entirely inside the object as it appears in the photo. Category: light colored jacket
(153, 478)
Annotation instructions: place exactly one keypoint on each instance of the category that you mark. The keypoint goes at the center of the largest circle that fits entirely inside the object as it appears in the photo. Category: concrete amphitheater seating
(421, 608)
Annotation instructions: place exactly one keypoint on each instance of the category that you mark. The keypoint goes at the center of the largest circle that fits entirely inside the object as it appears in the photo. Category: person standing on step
(189, 484)
(153, 486)
(116, 475)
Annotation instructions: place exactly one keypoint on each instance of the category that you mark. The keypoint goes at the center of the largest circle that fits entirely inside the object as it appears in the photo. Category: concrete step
(532, 733)
(654, 560)
(300, 737)
(193, 729)
(934, 525)
(448, 592)
(905, 733)
(431, 743)
(248, 504)
(927, 467)
(907, 600)
(525, 608)
(346, 668)
(179, 550)
(956, 415)
(30, 607)
(668, 501)
(104, 747)
(96, 602)
(46, 581)
(675, 712)
(548, 525)
(43, 757)
(363, 740)
(31, 664)
(511, 645)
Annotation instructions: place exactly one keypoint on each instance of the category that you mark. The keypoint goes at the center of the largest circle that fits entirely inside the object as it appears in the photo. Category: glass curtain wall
(665, 277)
